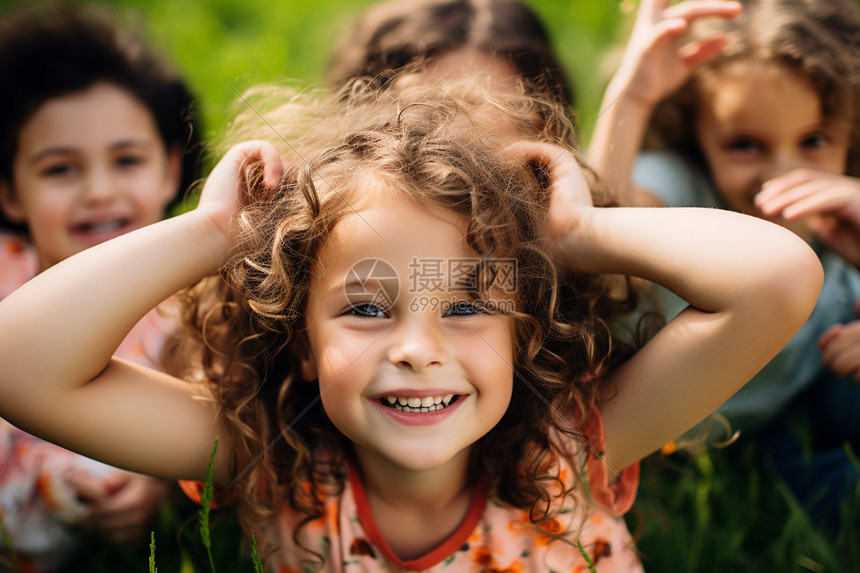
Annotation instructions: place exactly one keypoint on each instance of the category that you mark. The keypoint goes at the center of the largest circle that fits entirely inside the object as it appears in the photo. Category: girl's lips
(99, 231)
(421, 418)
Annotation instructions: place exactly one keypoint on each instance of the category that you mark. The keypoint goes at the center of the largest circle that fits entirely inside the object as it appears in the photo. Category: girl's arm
(652, 68)
(751, 285)
(58, 332)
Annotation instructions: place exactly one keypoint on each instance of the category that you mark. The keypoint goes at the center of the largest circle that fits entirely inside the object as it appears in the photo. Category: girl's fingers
(790, 192)
(829, 336)
(840, 345)
(845, 362)
(818, 201)
(652, 10)
(692, 10)
(569, 192)
(781, 184)
(697, 53)
(86, 486)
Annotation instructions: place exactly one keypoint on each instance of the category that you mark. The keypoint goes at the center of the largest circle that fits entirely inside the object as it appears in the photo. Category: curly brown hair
(439, 146)
(820, 40)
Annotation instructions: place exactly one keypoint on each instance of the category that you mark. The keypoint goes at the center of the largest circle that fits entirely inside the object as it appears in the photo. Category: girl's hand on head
(226, 191)
(570, 198)
(827, 205)
(653, 65)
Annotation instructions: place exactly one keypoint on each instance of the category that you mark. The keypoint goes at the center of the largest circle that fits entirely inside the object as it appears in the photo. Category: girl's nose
(418, 344)
(783, 163)
(98, 186)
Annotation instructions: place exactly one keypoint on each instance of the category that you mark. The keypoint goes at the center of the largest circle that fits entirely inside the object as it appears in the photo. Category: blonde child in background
(758, 111)
(96, 140)
(337, 332)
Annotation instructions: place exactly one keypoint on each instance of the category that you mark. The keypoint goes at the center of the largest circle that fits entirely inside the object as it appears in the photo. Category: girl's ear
(9, 204)
(174, 174)
(307, 360)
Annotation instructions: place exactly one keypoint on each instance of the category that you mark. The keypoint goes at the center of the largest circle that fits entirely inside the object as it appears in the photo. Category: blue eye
(366, 310)
(464, 308)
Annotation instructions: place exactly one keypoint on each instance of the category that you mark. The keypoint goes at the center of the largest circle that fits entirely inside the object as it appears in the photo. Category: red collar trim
(444, 550)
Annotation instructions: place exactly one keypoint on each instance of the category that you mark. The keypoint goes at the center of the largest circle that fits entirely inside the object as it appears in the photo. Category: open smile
(416, 405)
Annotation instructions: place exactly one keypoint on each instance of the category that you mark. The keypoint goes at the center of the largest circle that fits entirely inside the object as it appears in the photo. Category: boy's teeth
(425, 404)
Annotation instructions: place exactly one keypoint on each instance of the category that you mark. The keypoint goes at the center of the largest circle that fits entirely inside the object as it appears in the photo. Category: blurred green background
(219, 44)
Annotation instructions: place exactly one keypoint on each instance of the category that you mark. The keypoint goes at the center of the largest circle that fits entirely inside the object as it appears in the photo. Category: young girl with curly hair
(758, 111)
(415, 363)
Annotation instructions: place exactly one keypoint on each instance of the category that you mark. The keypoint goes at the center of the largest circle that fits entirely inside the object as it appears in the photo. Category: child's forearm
(617, 140)
(61, 328)
(750, 284)
(713, 259)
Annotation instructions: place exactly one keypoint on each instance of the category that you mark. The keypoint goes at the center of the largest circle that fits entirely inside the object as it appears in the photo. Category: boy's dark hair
(396, 33)
(51, 50)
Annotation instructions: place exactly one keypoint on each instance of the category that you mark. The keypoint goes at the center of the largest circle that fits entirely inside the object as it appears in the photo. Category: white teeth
(418, 405)
(104, 227)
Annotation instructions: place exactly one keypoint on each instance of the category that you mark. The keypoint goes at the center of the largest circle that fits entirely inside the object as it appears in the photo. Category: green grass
(718, 512)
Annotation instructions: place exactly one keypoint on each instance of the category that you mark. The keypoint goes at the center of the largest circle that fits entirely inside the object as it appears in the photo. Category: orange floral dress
(492, 538)
(37, 507)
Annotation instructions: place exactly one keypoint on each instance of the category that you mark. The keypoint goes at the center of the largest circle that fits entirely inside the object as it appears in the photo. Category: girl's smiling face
(89, 166)
(376, 340)
(759, 120)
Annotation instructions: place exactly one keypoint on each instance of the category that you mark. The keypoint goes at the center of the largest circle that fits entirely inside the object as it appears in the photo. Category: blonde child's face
(90, 166)
(382, 328)
(760, 120)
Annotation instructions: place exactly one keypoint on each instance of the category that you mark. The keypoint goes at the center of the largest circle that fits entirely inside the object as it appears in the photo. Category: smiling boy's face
(409, 378)
(760, 120)
(90, 166)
